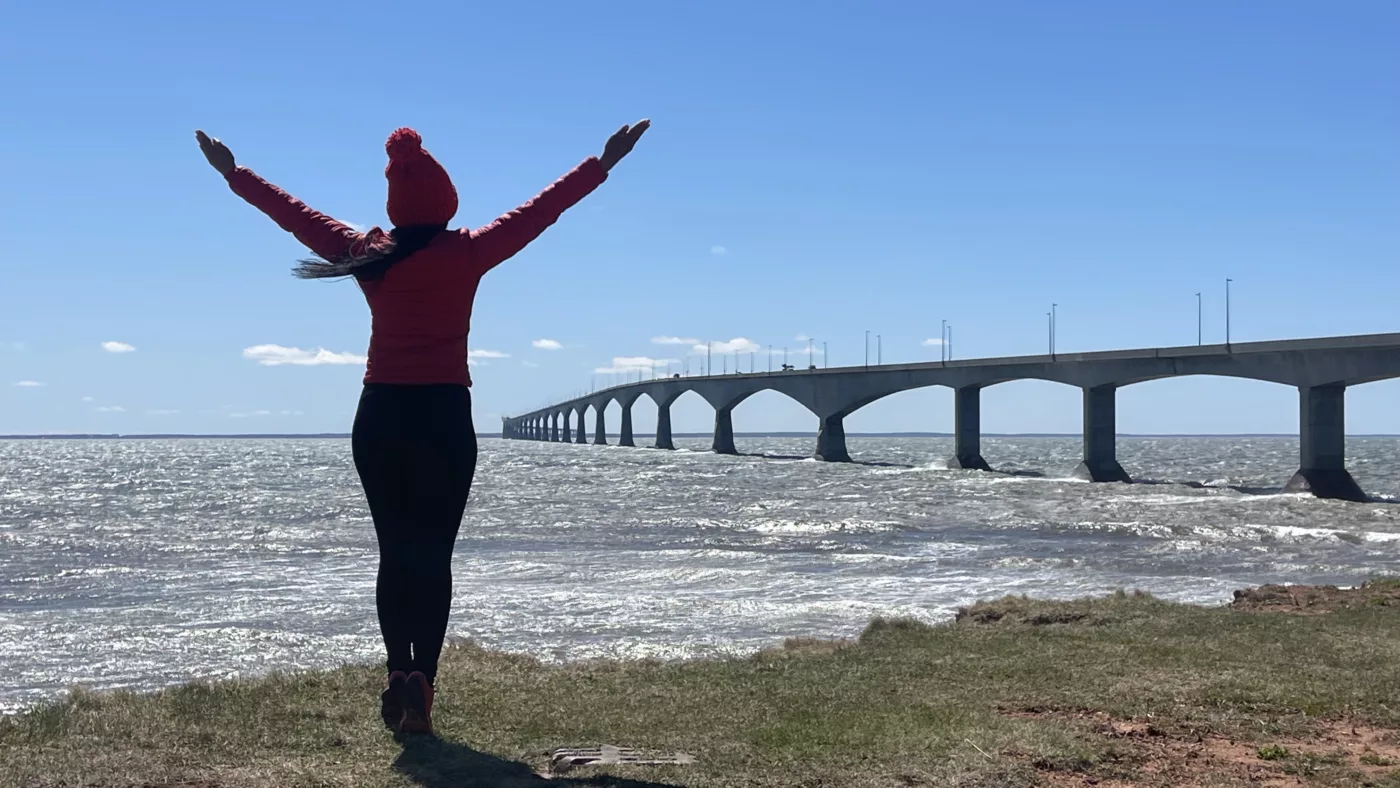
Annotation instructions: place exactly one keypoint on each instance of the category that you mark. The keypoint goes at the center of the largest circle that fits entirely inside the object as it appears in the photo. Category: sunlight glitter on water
(145, 563)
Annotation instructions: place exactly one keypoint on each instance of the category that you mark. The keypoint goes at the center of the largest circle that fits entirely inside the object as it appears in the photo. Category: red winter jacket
(421, 310)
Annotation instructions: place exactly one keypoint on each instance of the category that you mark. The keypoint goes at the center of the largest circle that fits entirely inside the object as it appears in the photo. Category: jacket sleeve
(315, 230)
(503, 238)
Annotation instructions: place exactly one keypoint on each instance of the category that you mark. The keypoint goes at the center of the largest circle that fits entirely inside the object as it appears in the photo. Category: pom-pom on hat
(420, 192)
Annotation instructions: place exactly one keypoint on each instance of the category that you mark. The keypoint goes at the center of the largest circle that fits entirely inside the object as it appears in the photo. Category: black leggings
(415, 450)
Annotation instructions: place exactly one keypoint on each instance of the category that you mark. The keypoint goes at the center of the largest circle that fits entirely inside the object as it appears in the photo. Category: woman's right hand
(218, 154)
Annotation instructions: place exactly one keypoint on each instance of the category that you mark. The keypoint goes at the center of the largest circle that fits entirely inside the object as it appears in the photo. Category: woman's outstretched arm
(316, 231)
(503, 238)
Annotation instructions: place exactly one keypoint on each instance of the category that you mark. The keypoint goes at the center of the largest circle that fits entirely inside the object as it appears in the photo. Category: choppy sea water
(144, 563)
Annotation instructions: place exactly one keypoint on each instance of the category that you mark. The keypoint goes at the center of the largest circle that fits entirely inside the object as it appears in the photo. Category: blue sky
(815, 169)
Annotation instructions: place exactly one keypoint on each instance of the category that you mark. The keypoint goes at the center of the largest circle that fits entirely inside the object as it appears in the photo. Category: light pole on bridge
(710, 358)
(879, 351)
(943, 341)
(1227, 312)
(826, 360)
(811, 362)
(867, 348)
(1199, 321)
(1054, 326)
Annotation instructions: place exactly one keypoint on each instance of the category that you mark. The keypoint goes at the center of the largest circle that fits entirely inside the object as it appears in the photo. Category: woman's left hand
(218, 154)
(621, 143)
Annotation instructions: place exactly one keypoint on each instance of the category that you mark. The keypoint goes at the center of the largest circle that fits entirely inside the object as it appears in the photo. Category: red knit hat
(419, 190)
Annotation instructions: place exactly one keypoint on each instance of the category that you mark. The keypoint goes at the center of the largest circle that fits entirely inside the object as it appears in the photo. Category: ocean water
(142, 563)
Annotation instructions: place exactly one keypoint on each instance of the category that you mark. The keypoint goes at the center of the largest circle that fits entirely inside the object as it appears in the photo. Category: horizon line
(695, 435)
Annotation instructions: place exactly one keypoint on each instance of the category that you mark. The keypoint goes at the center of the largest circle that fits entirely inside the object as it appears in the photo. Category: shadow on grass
(438, 763)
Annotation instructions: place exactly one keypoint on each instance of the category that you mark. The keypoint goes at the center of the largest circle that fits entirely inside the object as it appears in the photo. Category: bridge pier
(724, 431)
(1100, 462)
(967, 430)
(1322, 468)
(582, 436)
(600, 429)
(831, 440)
(554, 428)
(663, 426)
(567, 427)
(625, 436)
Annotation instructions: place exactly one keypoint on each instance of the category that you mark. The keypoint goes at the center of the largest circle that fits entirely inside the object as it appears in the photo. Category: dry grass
(1125, 690)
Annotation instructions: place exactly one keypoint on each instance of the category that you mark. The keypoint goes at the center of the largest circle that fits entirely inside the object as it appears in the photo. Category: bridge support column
(1100, 462)
(724, 431)
(1322, 467)
(831, 440)
(663, 426)
(600, 429)
(967, 430)
(566, 433)
(624, 437)
(582, 436)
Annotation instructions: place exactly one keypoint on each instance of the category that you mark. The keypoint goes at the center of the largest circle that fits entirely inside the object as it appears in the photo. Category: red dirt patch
(1152, 757)
(1303, 599)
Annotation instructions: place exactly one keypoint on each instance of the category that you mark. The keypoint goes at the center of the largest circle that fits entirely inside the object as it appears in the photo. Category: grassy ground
(1125, 690)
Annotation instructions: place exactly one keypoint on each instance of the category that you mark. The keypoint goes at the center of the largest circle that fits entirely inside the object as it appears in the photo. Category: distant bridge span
(1321, 369)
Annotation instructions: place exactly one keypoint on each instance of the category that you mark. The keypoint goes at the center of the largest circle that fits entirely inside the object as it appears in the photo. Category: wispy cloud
(474, 357)
(673, 341)
(109, 409)
(356, 226)
(932, 342)
(736, 345)
(277, 355)
(89, 399)
(28, 384)
(118, 347)
(718, 250)
(17, 346)
(250, 414)
(548, 344)
(633, 365)
(530, 364)
(162, 412)
(801, 338)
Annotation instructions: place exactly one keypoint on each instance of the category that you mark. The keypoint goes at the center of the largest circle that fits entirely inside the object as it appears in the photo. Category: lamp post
(867, 348)
(710, 357)
(942, 341)
(1199, 321)
(810, 361)
(1227, 312)
(826, 360)
(1054, 326)
(879, 351)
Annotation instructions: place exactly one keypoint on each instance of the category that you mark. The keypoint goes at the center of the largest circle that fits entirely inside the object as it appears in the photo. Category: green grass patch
(1016, 692)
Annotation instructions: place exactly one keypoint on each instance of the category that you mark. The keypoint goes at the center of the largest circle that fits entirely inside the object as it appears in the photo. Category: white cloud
(932, 342)
(110, 409)
(357, 227)
(718, 250)
(247, 415)
(162, 412)
(118, 347)
(736, 345)
(801, 338)
(89, 399)
(277, 355)
(289, 413)
(673, 341)
(28, 384)
(474, 355)
(548, 344)
(633, 365)
(529, 364)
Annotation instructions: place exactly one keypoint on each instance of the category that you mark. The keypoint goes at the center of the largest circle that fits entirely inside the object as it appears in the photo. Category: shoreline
(1286, 685)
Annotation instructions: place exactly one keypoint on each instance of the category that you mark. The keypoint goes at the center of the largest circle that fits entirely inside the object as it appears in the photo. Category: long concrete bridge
(1321, 369)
